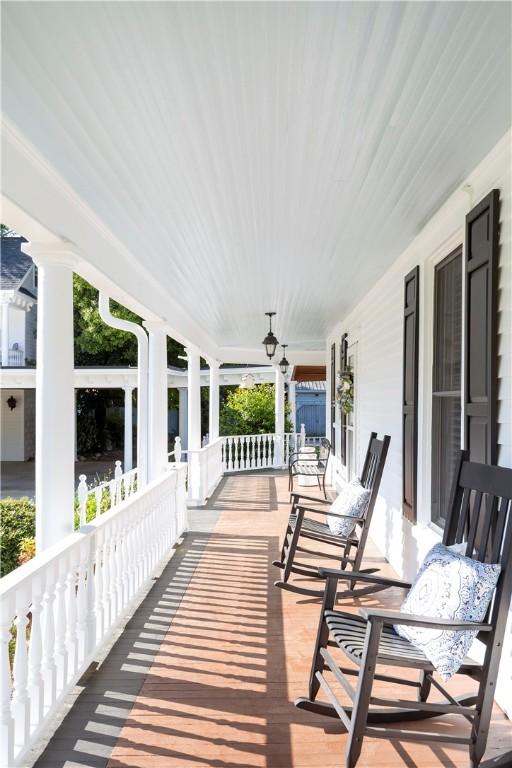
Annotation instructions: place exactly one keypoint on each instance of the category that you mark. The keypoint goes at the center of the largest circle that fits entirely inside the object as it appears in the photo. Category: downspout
(142, 381)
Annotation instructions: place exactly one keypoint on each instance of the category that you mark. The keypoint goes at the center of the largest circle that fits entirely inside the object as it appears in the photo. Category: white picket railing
(205, 471)
(16, 357)
(61, 606)
(107, 494)
(246, 452)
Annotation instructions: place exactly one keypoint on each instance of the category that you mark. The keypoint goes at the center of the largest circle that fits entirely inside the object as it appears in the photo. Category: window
(446, 380)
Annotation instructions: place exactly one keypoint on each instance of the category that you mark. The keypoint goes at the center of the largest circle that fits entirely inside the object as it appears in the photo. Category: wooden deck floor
(206, 671)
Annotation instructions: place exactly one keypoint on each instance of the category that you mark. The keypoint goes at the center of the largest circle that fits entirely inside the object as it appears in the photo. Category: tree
(250, 412)
(96, 343)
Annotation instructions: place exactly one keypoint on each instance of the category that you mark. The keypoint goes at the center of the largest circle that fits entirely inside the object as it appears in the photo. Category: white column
(213, 426)
(55, 400)
(128, 428)
(293, 404)
(183, 417)
(5, 334)
(194, 398)
(158, 403)
(279, 419)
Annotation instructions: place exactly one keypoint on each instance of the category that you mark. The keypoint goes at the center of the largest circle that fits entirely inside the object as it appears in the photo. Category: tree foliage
(96, 343)
(250, 412)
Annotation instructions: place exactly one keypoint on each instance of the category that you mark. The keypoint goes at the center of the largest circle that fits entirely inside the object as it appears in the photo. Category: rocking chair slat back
(481, 516)
(370, 478)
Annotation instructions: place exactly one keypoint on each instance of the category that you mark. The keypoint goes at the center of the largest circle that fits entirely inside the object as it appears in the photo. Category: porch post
(183, 417)
(214, 400)
(128, 428)
(293, 404)
(194, 398)
(158, 404)
(55, 394)
(279, 417)
(5, 334)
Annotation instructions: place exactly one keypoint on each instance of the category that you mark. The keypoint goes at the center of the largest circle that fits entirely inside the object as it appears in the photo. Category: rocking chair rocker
(481, 516)
(300, 526)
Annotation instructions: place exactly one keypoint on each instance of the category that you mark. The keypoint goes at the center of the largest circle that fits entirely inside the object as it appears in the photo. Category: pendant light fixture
(270, 340)
(284, 362)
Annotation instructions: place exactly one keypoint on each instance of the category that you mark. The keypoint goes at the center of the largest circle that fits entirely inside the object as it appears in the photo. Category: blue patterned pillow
(352, 501)
(448, 586)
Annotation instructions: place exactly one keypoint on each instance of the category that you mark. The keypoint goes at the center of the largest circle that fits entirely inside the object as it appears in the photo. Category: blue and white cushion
(352, 501)
(448, 586)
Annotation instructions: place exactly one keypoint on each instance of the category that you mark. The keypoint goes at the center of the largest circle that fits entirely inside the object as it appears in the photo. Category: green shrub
(27, 550)
(17, 522)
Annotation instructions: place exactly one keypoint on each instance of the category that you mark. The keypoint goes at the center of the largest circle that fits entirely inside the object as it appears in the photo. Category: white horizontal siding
(377, 325)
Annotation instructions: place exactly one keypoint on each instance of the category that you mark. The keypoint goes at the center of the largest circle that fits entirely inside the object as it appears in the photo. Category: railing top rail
(15, 580)
(259, 434)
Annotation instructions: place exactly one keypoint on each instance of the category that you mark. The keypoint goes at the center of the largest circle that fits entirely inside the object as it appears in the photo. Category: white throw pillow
(448, 586)
(352, 501)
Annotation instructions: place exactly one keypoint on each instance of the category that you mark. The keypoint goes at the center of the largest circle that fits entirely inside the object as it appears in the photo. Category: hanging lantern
(270, 340)
(284, 364)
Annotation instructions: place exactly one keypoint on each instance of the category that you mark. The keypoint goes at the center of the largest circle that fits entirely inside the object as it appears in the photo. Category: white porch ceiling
(225, 159)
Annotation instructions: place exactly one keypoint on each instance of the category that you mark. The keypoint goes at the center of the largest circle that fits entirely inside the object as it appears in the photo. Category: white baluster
(90, 594)
(177, 449)
(48, 663)
(35, 655)
(98, 495)
(118, 474)
(250, 452)
(113, 574)
(244, 451)
(71, 625)
(20, 699)
(60, 627)
(82, 494)
(98, 588)
(105, 579)
(112, 488)
(7, 732)
(81, 606)
(302, 435)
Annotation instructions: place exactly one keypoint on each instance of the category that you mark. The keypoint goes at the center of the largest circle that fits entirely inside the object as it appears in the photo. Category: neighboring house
(18, 297)
(310, 407)
(18, 330)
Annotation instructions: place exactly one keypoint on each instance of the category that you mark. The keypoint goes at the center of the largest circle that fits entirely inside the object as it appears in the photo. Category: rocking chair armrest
(371, 578)
(317, 511)
(383, 616)
(310, 498)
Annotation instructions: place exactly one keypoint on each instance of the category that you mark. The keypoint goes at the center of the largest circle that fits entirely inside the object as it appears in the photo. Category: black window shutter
(333, 397)
(343, 416)
(481, 254)
(410, 394)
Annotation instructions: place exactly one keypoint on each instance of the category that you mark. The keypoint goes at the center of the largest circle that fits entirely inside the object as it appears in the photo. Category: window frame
(456, 253)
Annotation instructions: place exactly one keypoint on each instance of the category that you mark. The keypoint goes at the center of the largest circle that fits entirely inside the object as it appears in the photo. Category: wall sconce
(11, 402)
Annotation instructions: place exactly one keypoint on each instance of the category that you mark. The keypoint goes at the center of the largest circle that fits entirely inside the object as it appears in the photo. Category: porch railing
(94, 500)
(205, 471)
(57, 609)
(16, 357)
(246, 452)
